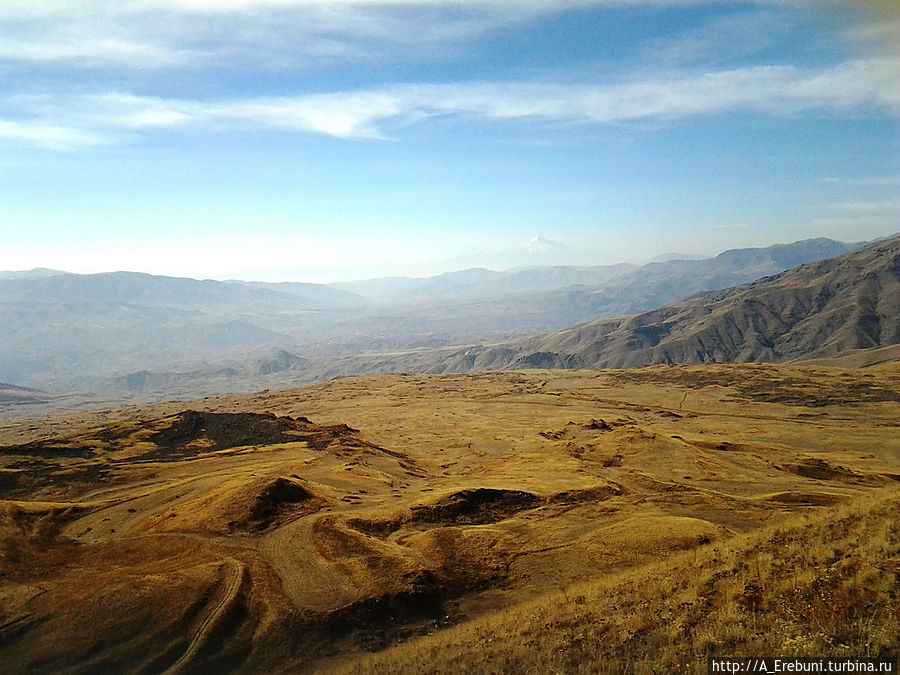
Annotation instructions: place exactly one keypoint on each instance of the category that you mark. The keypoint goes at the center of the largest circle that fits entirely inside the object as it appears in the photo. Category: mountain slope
(658, 284)
(238, 374)
(61, 332)
(453, 310)
(12, 394)
(36, 273)
(818, 310)
(732, 598)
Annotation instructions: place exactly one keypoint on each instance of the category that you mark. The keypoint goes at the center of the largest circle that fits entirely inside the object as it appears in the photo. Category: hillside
(519, 517)
(12, 395)
(274, 363)
(497, 306)
(815, 311)
(36, 273)
(672, 616)
(68, 332)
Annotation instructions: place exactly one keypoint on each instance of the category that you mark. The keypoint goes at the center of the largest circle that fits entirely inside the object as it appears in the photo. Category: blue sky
(319, 140)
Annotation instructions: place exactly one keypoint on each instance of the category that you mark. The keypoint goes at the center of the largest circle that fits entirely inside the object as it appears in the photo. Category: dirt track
(231, 586)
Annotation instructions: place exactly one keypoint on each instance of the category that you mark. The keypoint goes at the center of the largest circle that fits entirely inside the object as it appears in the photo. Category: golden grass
(816, 584)
(542, 521)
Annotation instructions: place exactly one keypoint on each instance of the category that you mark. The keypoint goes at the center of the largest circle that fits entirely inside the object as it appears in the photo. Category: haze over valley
(146, 337)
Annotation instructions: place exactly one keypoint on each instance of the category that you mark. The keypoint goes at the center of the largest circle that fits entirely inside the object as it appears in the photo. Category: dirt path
(234, 575)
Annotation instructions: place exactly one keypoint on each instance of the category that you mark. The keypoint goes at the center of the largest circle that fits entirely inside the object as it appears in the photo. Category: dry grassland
(540, 521)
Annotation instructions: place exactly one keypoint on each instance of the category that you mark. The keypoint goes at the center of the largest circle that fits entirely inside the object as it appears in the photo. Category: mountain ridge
(803, 312)
(165, 291)
(162, 337)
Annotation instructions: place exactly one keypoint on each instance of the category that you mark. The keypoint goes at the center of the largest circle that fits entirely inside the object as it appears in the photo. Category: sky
(327, 140)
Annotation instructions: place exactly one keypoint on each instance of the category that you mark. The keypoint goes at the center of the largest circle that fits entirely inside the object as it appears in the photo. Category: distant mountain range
(815, 311)
(36, 273)
(671, 279)
(507, 305)
(479, 283)
(129, 332)
(41, 286)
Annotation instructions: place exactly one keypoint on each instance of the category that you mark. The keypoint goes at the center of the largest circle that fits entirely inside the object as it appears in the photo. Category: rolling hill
(10, 394)
(494, 522)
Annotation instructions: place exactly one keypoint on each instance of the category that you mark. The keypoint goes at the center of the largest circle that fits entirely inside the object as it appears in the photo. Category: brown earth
(240, 535)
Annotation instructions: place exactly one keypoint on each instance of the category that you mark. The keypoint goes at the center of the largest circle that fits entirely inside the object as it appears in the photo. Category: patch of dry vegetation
(649, 512)
(799, 385)
(818, 584)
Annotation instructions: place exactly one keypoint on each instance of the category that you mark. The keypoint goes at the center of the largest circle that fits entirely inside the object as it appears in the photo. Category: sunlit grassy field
(538, 521)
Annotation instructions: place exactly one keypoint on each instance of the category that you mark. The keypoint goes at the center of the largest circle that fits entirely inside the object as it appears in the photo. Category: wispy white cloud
(89, 49)
(64, 122)
(29, 8)
(721, 38)
(157, 34)
(48, 135)
(876, 26)
(142, 34)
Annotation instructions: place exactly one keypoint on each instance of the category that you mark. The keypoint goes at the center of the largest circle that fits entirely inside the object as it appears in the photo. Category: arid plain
(533, 521)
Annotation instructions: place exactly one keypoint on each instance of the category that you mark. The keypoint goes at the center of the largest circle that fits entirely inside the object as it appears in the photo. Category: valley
(136, 338)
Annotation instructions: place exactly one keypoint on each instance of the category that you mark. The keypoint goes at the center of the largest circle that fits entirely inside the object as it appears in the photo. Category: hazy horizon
(336, 140)
(447, 268)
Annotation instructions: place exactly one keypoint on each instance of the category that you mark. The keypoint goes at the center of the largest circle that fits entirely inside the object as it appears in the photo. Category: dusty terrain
(381, 522)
